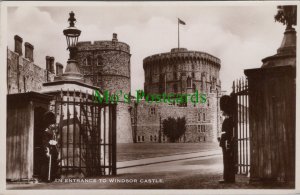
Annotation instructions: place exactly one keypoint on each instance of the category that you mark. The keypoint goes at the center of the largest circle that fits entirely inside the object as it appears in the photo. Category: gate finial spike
(233, 86)
(243, 86)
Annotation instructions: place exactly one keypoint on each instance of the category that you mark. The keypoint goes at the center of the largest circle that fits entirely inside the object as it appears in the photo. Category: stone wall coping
(191, 55)
(28, 45)
(102, 45)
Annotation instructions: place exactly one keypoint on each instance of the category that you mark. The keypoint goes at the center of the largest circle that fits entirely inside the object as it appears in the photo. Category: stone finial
(286, 53)
(287, 15)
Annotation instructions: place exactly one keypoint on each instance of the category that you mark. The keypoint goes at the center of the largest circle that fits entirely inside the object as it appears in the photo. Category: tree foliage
(174, 128)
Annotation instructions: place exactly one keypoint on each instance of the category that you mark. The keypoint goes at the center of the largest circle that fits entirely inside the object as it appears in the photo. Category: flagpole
(178, 33)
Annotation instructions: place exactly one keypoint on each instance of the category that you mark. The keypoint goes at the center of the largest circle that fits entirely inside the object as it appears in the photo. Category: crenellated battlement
(182, 54)
(114, 44)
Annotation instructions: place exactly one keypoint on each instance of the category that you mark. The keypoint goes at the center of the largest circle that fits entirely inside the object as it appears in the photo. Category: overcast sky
(239, 36)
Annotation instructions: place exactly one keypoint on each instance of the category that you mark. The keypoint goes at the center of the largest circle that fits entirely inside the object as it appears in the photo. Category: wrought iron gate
(241, 127)
(86, 135)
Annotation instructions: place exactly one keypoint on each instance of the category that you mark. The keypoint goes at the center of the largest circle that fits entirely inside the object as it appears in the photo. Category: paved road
(154, 173)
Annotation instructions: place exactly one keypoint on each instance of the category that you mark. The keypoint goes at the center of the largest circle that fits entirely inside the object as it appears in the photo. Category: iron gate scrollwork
(86, 135)
(241, 126)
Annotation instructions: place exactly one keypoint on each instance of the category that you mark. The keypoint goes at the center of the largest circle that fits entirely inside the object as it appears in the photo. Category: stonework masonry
(107, 65)
(201, 120)
(179, 72)
(23, 75)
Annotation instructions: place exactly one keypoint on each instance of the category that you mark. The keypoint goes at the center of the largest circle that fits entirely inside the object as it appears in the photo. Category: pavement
(194, 170)
(164, 159)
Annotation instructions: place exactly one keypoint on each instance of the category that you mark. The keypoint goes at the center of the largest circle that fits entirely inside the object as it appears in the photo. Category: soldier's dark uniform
(226, 140)
(49, 149)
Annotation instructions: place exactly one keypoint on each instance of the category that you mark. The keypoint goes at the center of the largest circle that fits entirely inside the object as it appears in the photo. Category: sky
(240, 36)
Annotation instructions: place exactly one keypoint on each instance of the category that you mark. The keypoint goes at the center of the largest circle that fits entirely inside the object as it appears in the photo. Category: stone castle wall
(181, 71)
(201, 120)
(23, 75)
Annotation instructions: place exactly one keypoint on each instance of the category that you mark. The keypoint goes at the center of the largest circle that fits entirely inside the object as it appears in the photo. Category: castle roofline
(98, 42)
(182, 53)
(103, 45)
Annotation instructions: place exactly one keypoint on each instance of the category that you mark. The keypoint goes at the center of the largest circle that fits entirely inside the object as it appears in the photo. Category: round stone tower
(182, 71)
(107, 65)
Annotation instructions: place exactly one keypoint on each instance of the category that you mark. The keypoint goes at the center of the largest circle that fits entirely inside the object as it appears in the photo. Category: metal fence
(87, 135)
(241, 129)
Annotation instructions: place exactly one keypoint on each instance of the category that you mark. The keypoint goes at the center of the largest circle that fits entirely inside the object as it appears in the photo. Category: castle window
(152, 111)
(24, 82)
(155, 138)
(199, 117)
(189, 82)
(87, 61)
(194, 87)
(198, 128)
(139, 138)
(99, 61)
(203, 128)
(143, 139)
(151, 138)
(204, 117)
(193, 75)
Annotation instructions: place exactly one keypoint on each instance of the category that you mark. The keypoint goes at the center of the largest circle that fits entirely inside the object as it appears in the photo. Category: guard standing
(227, 139)
(50, 156)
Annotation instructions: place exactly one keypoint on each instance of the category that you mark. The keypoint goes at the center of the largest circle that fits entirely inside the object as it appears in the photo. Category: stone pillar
(29, 51)
(272, 113)
(18, 44)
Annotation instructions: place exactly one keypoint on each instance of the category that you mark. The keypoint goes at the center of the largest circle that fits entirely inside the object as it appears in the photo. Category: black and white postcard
(152, 97)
